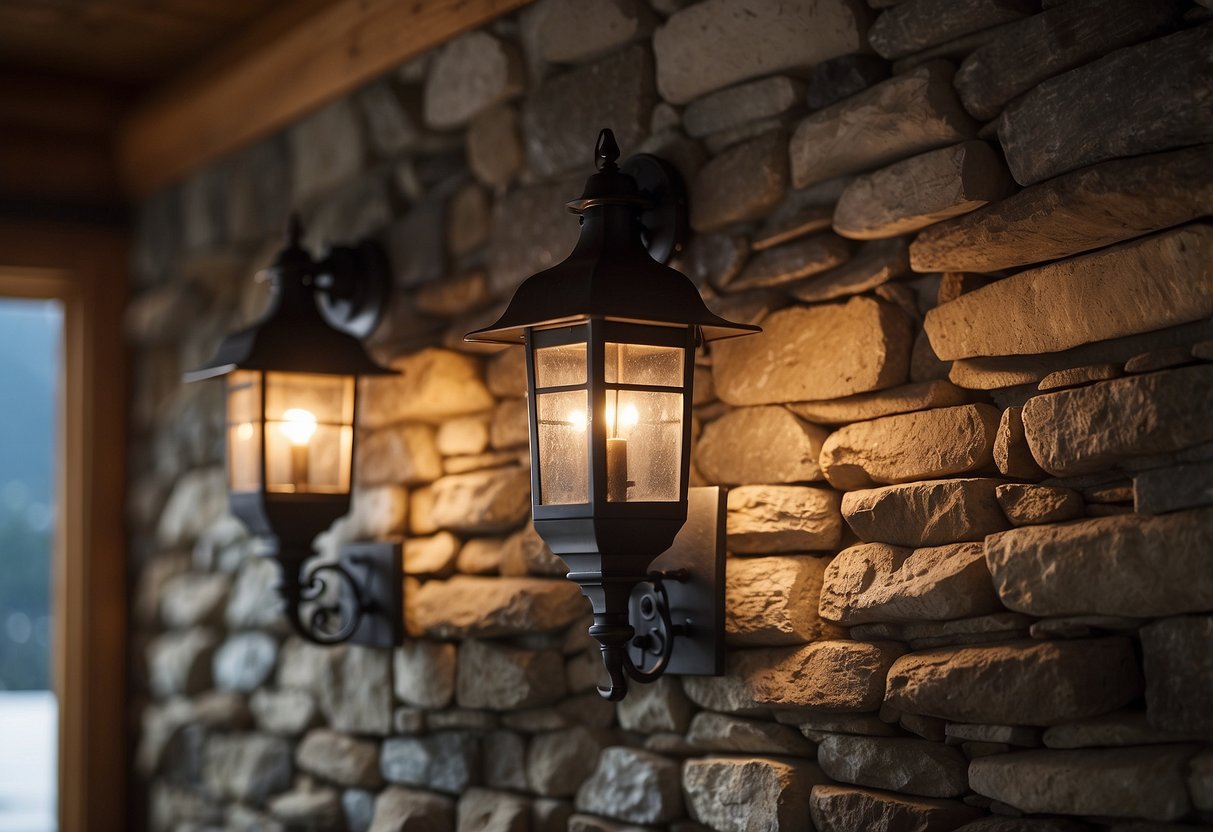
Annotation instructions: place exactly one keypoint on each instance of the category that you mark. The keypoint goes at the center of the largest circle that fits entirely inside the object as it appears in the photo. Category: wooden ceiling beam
(275, 77)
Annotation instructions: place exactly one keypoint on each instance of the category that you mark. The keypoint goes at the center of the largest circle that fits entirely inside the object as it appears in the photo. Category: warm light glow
(245, 432)
(628, 418)
(298, 425)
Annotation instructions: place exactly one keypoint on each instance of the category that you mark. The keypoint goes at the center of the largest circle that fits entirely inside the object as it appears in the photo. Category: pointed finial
(606, 151)
(294, 231)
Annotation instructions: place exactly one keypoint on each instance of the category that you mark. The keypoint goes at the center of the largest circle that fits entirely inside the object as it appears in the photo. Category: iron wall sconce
(292, 405)
(610, 337)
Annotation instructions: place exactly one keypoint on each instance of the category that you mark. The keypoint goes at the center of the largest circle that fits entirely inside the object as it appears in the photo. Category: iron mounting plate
(696, 604)
(378, 568)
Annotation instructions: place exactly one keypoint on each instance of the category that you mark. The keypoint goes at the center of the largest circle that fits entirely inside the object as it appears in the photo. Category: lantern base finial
(675, 619)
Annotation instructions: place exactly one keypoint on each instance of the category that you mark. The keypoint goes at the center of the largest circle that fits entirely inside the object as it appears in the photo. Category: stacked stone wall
(970, 524)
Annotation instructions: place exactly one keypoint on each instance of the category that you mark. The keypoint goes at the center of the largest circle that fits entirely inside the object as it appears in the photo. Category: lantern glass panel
(244, 431)
(644, 364)
(644, 445)
(560, 365)
(309, 432)
(563, 447)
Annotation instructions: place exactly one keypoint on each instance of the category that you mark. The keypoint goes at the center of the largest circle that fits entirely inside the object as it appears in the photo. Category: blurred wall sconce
(610, 337)
(292, 405)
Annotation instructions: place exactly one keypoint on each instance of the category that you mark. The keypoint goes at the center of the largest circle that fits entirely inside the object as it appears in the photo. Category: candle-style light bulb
(298, 426)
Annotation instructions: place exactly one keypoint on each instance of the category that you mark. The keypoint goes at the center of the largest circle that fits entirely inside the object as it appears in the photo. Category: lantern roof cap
(610, 273)
(293, 336)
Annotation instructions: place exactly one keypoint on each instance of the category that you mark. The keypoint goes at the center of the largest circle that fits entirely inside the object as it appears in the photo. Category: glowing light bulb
(577, 420)
(245, 432)
(298, 425)
(629, 417)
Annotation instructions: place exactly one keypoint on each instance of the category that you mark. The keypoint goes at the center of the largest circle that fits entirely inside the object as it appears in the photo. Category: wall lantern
(292, 404)
(610, 337)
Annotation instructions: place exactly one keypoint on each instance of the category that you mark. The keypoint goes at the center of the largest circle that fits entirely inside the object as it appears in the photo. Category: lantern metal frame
(319, 311)
(616, 287)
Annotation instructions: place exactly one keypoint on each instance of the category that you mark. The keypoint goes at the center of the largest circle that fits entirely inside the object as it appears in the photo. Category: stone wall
(971, 455)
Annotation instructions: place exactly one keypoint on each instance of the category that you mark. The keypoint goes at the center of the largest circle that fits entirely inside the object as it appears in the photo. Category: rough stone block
(399, 809)
(844, 808)
(795, 261)
(1163, 490)
(339, 758)
(572, 32)
(866, 406)
(355, 690)
(244, 661)
(483, 810)
(1058, 39)
(840, 78)
(764, 519)
(562, 117)
(502, 678)
(447, 761)
(920, 191)
(1011, 452)
(897, 764)
(743, 183)
(326, 150)
(917, 25)
(928, 513)
(1146, 782)
(1095, 428)
(467, 606)
(494, 146)
(424, 673)
(869, 350)
(877, 582)
(759, 445)
(1178, 654)
(284, 712)
(532, 231)
(871, 266)
(633, 786)
(1112, 107)
(905, 115)
(711, 45)
(830, 676)
(773, 601)
(661, 706)
(717, 732)
(749, 794)
(433, 386)
(742, 104)
(1124, 565)
(180, 662)
(495, 500)
(558, 762)
(1079, 211)
(400, 454)
(911, 446)
(1147, 284)
(1017, 683)
(1035, 505)
(468, 75)
(247, 767)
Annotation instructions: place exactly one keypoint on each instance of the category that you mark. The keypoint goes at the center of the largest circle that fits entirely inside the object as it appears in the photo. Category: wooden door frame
(85, 270)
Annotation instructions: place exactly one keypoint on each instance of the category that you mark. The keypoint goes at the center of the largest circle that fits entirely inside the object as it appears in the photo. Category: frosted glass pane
(330, 399)
(642, 364)
(563, 448)
(644, 446)
(244, 431)
(558, 366)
